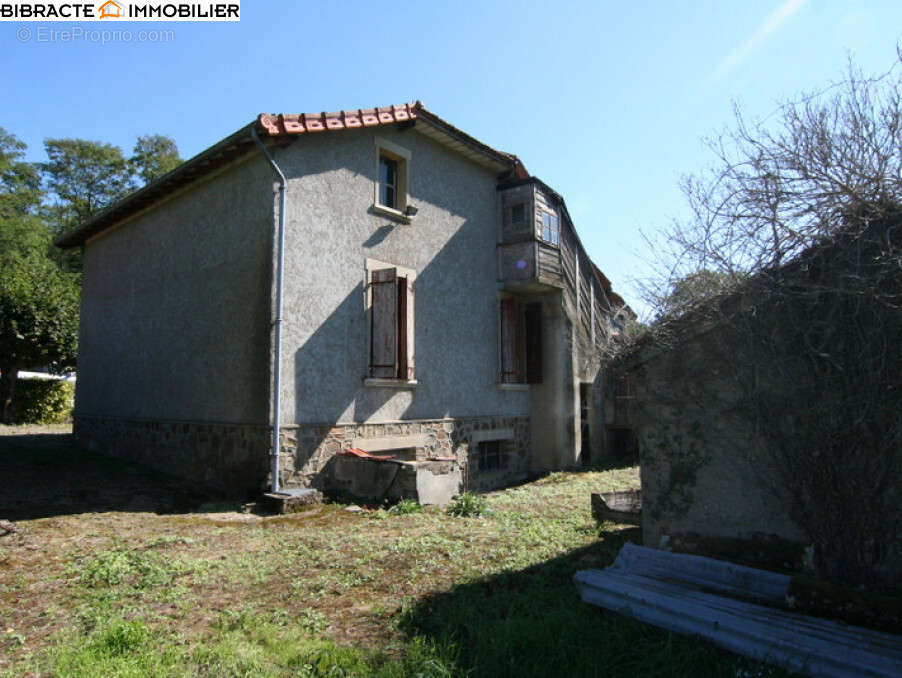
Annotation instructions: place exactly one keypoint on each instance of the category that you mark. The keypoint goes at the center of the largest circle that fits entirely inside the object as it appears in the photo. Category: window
(491, 455)
(388, 182)
(510, 354)
(391, 305)
(625, 386)
(392, 168)
(521, 342)
(551, 231)
(518, 213)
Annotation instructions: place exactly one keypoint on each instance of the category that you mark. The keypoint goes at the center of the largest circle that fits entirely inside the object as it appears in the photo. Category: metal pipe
(277, 326)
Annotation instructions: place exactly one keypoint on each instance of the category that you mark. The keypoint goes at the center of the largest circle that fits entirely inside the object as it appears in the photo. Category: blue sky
(606, 102)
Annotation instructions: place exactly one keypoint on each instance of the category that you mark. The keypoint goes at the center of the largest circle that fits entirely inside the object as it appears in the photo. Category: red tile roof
(279, 124)
(275, 125)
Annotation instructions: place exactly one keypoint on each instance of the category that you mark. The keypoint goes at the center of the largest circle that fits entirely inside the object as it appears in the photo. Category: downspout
(277, 326)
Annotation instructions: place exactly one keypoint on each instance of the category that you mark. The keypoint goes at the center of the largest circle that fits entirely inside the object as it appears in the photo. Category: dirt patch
(53, 477)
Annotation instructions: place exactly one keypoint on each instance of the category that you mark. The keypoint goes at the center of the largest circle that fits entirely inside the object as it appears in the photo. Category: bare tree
(802, 219)
(785, 183)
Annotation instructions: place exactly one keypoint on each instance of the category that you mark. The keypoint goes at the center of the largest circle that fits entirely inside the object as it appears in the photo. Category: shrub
(43, 401)
(468, 505)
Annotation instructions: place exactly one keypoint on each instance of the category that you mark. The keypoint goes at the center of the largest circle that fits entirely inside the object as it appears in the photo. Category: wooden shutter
(405, 329)
(384, 330)
(534, 343)
(510, 369)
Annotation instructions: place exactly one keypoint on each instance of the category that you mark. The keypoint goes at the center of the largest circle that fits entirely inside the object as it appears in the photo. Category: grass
(402, 592)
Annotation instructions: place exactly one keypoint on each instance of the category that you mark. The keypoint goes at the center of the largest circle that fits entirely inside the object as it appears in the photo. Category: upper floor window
(392, 172)
(551, 229)
(388, 182)
(518, 213)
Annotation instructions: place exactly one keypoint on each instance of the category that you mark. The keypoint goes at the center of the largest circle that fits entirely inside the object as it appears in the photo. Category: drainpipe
(277, 358)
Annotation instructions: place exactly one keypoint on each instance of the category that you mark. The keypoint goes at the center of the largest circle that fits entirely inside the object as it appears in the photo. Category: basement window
(491, 455)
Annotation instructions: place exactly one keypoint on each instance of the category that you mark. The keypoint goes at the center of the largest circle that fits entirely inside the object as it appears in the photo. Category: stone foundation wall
(307, 452)
(231, 457)
(235, 457)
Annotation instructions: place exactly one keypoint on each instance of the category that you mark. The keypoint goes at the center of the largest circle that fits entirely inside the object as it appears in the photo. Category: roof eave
(449, 135)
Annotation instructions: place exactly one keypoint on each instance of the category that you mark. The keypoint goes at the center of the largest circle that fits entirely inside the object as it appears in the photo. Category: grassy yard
(102, 588)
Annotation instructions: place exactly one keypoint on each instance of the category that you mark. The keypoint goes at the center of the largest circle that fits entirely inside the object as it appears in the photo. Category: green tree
(21, 231)
(82, 177)
(153, 156)
(38, 321)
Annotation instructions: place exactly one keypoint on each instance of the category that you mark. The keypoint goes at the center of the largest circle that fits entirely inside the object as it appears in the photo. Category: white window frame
(555, 239)
(402, 156)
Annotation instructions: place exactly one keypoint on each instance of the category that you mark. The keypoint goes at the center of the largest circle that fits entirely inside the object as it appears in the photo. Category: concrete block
(438, 482)
(291, 499)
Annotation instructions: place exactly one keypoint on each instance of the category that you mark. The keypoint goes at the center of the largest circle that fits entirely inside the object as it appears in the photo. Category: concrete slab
(290, 499)
(620, 507)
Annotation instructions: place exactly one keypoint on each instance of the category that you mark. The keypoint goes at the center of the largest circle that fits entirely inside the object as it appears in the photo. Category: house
(405, 291)
(110, 9)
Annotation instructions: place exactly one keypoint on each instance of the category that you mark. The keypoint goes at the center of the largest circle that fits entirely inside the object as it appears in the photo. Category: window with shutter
(391, 302)
(405, 329)
(521, 342)
(534, 343)
(384, 335)
(510, 363)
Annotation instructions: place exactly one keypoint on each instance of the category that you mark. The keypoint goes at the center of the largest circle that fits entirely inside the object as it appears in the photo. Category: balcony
(532, 235)
(529, 265)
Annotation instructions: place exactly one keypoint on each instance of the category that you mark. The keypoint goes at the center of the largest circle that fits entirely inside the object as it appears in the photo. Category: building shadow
(48, 475)
(532, 622)
(527, 622)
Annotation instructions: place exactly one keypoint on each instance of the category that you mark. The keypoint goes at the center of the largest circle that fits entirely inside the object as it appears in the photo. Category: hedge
(42, 401)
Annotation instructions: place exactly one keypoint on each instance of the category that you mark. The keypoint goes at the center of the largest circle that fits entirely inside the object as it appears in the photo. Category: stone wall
(231, 457)
(307, 451)
(235, 457)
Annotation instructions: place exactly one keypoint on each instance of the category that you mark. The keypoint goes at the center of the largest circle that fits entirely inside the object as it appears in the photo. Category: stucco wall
(451, 245)
(176, 307)
(703, 469)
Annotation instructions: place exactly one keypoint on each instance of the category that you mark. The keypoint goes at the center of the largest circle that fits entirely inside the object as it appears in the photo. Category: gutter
(277, 325)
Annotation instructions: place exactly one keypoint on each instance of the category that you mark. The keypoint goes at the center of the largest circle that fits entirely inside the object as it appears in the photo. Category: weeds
(140, 569)
(316, 597)
(406, 507)
(468, 505)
